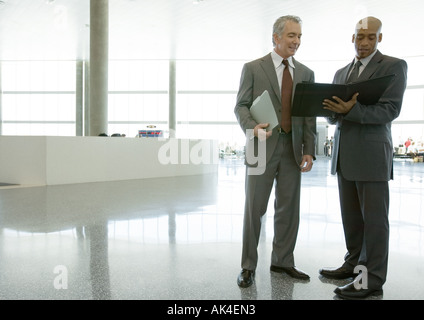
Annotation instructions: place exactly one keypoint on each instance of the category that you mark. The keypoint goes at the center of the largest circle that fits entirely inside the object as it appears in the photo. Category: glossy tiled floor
(180, 238)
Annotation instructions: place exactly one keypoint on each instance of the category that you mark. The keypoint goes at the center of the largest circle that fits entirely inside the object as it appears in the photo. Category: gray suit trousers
(283, 169)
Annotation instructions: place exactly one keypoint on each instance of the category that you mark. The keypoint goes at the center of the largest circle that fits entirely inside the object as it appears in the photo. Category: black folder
(308, 97)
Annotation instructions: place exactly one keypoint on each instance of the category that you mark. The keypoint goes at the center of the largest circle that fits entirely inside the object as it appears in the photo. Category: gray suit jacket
(259, 75)
(363, 138)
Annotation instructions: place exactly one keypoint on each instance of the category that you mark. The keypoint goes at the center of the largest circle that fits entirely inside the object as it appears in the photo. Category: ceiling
(210, 29)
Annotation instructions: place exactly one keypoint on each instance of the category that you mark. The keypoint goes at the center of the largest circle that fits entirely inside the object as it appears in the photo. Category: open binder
(308, 97)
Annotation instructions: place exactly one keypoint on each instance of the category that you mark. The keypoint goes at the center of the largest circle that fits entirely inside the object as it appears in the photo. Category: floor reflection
(180, 238)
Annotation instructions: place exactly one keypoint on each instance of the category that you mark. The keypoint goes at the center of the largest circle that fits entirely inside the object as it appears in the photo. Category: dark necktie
(355, 72)
(286, 94)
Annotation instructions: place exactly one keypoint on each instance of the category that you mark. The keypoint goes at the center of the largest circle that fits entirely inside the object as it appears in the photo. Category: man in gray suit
(282, 154)
(363, 160)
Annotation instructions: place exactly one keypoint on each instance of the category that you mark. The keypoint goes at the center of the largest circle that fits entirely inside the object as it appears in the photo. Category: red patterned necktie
(286, 95)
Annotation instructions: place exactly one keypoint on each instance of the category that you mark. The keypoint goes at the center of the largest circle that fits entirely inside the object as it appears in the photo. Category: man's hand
(259, 131)
(306, 164)
(340, 106)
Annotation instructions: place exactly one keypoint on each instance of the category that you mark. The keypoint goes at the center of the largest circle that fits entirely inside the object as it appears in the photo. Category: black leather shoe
(350, 292)
(245, 278)
(339, 273)
(291, 271)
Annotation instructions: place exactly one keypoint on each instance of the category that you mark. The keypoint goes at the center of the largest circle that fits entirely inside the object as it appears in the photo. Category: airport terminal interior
(130, 229)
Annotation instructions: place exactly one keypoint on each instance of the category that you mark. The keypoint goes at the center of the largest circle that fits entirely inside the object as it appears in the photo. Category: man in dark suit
(363, 160)
(282, 154)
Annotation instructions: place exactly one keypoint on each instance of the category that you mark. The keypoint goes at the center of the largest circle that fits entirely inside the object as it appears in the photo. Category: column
(86, 98)
(99, 58)
(79, 96)
(1, 99)
(172, 99)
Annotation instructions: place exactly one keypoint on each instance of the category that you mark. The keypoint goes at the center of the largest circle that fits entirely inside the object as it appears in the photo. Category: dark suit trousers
(284, 171)
(365, 216)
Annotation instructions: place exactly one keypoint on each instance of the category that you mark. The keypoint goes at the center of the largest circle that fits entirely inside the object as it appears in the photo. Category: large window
(206, 97)
(39, 98)
(410, 123)
(138, 95)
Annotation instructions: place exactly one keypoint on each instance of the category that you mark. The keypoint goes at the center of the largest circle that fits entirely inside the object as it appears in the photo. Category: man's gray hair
(281, 23)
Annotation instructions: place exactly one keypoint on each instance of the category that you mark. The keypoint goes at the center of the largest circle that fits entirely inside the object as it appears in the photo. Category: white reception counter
(47, 160)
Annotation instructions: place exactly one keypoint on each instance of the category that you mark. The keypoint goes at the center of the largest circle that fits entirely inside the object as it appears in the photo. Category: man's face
(366, 40)
(288, 42)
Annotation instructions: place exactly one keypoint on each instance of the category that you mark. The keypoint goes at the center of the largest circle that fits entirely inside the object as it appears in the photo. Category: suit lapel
(369, 70)
(297, 75)
(269, 69)
(345, 72)
(372, 67)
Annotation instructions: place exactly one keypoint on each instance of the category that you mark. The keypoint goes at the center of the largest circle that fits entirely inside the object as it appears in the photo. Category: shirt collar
(366, 60)
(277, 59)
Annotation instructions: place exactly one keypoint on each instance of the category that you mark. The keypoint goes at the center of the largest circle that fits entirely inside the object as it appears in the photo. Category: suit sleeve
(334, 118)
(309, 130)
(245, 100)
(388, 107)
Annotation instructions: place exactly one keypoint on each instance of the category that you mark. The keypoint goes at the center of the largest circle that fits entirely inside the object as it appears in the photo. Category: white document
(262, 110)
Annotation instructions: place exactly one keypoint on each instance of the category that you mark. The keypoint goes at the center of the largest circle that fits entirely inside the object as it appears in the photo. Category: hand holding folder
(308, 97)
(262, 110)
